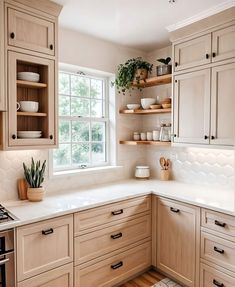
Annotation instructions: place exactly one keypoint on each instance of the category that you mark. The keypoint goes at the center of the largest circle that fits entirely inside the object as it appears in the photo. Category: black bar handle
(216, 249)
(216, 283)
(116, 236)
(48, 231)
(117, 212)
(221, 224)
(116, 266)
(175, 210)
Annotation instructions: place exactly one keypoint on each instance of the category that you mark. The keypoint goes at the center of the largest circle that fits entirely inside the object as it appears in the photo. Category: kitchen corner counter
(61, 203)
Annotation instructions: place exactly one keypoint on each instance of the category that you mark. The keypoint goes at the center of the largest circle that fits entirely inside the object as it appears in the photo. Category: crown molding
(207, 13)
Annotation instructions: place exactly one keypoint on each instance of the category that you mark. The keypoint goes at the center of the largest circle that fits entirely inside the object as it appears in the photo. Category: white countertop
(57, 204)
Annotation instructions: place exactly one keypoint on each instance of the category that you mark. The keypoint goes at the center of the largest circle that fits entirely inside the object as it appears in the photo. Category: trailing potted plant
(34, 176)
(135, 69)
(164, 69)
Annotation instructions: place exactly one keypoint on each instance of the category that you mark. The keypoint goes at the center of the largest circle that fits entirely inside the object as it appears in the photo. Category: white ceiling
(135, 23)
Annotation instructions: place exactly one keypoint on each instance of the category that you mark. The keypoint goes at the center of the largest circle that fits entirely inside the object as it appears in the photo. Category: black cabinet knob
(207, 56)
(12, 35)
(205, 137)
(51, 137)
(51, 47)
(13, 137)
(214, 55)
(176, 64)
(212, 137)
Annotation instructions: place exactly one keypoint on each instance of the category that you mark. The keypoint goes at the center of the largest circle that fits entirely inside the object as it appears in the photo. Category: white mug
(149, 136)
(143, 136)
(156, 135)
(27, 106)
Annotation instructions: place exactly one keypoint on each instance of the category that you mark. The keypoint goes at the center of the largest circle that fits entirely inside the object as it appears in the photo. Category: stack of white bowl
(29, 134)
(28, 76)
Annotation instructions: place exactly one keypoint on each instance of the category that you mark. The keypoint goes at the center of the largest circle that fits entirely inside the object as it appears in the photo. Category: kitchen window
(83, 122)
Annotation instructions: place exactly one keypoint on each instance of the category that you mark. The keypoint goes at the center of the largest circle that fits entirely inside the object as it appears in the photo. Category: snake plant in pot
(135, 69)
(34, 176)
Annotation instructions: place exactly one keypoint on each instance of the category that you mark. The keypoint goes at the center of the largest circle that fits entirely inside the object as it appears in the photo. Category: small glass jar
(136, 136)
(164, 133)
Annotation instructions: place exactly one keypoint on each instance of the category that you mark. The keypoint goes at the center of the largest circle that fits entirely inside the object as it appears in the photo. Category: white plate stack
(29, 134)
(28, 76)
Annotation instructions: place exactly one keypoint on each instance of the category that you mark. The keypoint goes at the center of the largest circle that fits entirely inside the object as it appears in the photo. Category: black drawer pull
(116, 266)
(116, 236)
(213, 55)
(216, 283)
(12, 35)
(51, 47)
(221, 224)
(207, 56)
(216, 249)
(48, 231)
(117, 212)
(175, 210)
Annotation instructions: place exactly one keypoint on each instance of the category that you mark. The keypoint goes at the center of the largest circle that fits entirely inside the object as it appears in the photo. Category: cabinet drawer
(210, 277)
(29, 32)
(62, 276)
(114, 269)
(106, 240)
(218, 251)
(193, 53)
(44, 246)
(109, 213)
(220, 222)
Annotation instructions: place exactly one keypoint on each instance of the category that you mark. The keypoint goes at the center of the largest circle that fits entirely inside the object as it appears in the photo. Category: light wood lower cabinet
(43, 246)
(115, 269)
(59, 277)
(211, 277)
(100, 242)
(178, 239)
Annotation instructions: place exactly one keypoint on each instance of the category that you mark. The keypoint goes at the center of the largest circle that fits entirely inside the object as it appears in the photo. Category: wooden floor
(145, 280)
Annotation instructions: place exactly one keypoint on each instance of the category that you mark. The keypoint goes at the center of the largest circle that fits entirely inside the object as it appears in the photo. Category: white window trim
(111, 156)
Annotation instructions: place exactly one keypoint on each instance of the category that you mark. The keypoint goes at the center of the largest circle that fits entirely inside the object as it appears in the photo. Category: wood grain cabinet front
(111, 271)
(43, 246)
(106, 240)
(30, 32)
(93, 219)
(59, 277)
(2, 64)
(178, 238)
(192, 53)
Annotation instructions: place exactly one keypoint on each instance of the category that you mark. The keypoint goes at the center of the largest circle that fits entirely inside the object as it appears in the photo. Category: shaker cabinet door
(2, 78)
(222, 105)
(223, 44)
(192, 107)
(29, 32)
(192, 53)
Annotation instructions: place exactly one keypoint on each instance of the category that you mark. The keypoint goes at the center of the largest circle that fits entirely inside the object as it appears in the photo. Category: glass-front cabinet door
(31, 107)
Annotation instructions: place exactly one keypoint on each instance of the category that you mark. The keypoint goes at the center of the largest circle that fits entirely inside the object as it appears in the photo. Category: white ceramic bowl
(29, 106)
(133, 106)
(28, 76)
(147, 102)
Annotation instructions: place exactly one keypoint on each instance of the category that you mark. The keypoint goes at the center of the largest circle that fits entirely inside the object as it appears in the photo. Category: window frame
(105, 119)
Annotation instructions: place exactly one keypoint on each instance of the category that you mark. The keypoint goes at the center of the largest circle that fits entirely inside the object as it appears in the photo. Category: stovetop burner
(5, 216)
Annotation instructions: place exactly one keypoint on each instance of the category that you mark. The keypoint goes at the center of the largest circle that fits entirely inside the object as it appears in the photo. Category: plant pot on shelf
(35, 194)
(164, 70)
(141, 74)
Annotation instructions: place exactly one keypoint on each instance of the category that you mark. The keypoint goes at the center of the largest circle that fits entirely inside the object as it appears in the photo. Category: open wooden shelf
(31, 85)
(145, 143)
(27, 114)
(154, 81)
(145, 112)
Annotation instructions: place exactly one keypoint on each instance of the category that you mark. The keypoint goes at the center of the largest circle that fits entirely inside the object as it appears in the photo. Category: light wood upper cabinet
(2, 65)
(222, 105)
(43, 246)
(178, 238)
(192, 107)
(223, 44)
(43, 93)
(192, 53)
(29, 32)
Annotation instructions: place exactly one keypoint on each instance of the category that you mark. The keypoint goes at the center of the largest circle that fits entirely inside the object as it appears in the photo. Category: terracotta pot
(35, 194)
(165, 174)
(141, 74)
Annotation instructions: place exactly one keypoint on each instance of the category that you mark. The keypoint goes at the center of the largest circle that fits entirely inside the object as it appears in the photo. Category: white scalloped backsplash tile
(198, 166)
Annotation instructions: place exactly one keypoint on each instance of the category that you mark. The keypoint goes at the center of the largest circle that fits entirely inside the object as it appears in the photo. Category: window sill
(92, 170)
